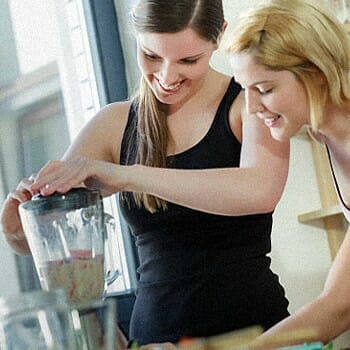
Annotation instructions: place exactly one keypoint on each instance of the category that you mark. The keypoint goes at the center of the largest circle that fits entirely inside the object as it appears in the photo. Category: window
(33, 29)
(56, 89)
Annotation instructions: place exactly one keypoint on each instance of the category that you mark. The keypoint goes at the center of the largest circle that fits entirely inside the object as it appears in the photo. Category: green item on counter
(308, 346)
(134, 345)
(328, 346)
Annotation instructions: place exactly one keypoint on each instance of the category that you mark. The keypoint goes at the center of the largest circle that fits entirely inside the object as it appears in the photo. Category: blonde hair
(301, 37)
(206, 18)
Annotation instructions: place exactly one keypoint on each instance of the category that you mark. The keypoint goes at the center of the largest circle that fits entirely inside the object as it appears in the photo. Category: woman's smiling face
(276, 97)
(174, 64)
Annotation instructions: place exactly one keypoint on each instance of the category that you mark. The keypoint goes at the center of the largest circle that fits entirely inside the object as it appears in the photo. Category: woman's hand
(61, 176)
(9, 216)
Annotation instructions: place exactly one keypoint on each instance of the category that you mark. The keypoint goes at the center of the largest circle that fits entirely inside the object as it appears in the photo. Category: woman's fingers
(75, 175)
(23, 191)
(46, 176)
(61, 176)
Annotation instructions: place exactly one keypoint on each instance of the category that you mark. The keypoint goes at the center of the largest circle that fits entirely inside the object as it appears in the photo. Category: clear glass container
(39, 320)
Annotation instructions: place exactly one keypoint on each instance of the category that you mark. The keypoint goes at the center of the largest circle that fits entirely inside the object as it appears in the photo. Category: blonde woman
(292, 59)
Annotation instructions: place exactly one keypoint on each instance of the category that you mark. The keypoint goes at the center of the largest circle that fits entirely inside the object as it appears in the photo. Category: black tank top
(197, 259)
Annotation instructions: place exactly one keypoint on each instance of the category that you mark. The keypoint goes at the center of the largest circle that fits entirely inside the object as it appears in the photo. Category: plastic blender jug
(67, 236)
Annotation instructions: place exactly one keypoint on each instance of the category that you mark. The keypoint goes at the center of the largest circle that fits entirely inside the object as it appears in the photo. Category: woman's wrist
(147, 179)
(17, 236)
(18, 242)
(129, 176)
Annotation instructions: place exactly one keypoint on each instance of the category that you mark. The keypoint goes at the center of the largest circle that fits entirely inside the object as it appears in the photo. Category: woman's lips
(170, 88)
(272, 121)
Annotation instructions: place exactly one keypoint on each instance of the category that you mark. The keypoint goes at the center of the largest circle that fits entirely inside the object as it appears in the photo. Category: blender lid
(73, 199)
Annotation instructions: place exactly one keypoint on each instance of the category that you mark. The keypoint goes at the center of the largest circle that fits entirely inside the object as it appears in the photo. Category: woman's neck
(336, 124)
(203, 92)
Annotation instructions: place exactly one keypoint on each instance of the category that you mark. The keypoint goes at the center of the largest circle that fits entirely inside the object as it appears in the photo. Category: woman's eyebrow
(182, 58)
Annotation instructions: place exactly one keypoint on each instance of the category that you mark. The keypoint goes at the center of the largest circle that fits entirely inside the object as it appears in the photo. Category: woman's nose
(253, 103)
(169, 74)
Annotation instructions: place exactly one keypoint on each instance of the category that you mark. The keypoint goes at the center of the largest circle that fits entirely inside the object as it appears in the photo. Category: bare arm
(11, 226)
(10, 223)
(255, 187)
(329, 314)
(93, 160)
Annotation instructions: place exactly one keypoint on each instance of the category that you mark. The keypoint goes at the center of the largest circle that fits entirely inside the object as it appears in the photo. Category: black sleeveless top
(200, 274)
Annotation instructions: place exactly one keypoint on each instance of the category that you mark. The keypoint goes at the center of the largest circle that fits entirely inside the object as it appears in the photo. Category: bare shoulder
(110, 121)
(102, 136)
(113, 114)
(113, 119)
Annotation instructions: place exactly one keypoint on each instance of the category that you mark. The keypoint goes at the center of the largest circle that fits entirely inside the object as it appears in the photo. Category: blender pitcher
(67, 236)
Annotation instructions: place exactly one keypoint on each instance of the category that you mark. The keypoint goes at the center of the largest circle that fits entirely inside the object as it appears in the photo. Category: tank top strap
(345, 209)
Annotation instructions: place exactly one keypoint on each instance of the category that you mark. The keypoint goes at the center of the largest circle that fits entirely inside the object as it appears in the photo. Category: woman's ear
(223, 29)
(224, 26)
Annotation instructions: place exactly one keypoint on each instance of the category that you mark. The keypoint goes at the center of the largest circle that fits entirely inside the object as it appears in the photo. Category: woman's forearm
(229, 191)
(321, 320)
(255, 187)
(329, 314)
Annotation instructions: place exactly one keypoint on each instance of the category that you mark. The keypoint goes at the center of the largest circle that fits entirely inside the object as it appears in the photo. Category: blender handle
(112, 271)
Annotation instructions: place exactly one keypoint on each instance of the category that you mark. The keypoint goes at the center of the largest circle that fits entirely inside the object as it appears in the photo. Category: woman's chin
(280, 136)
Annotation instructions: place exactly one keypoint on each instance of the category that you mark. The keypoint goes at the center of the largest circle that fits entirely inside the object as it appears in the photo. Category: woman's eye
(151, 57)
(265, 92)
(189, 60)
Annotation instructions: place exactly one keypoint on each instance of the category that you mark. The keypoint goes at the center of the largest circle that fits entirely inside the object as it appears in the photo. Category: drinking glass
(39, 320)
(95, 325)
